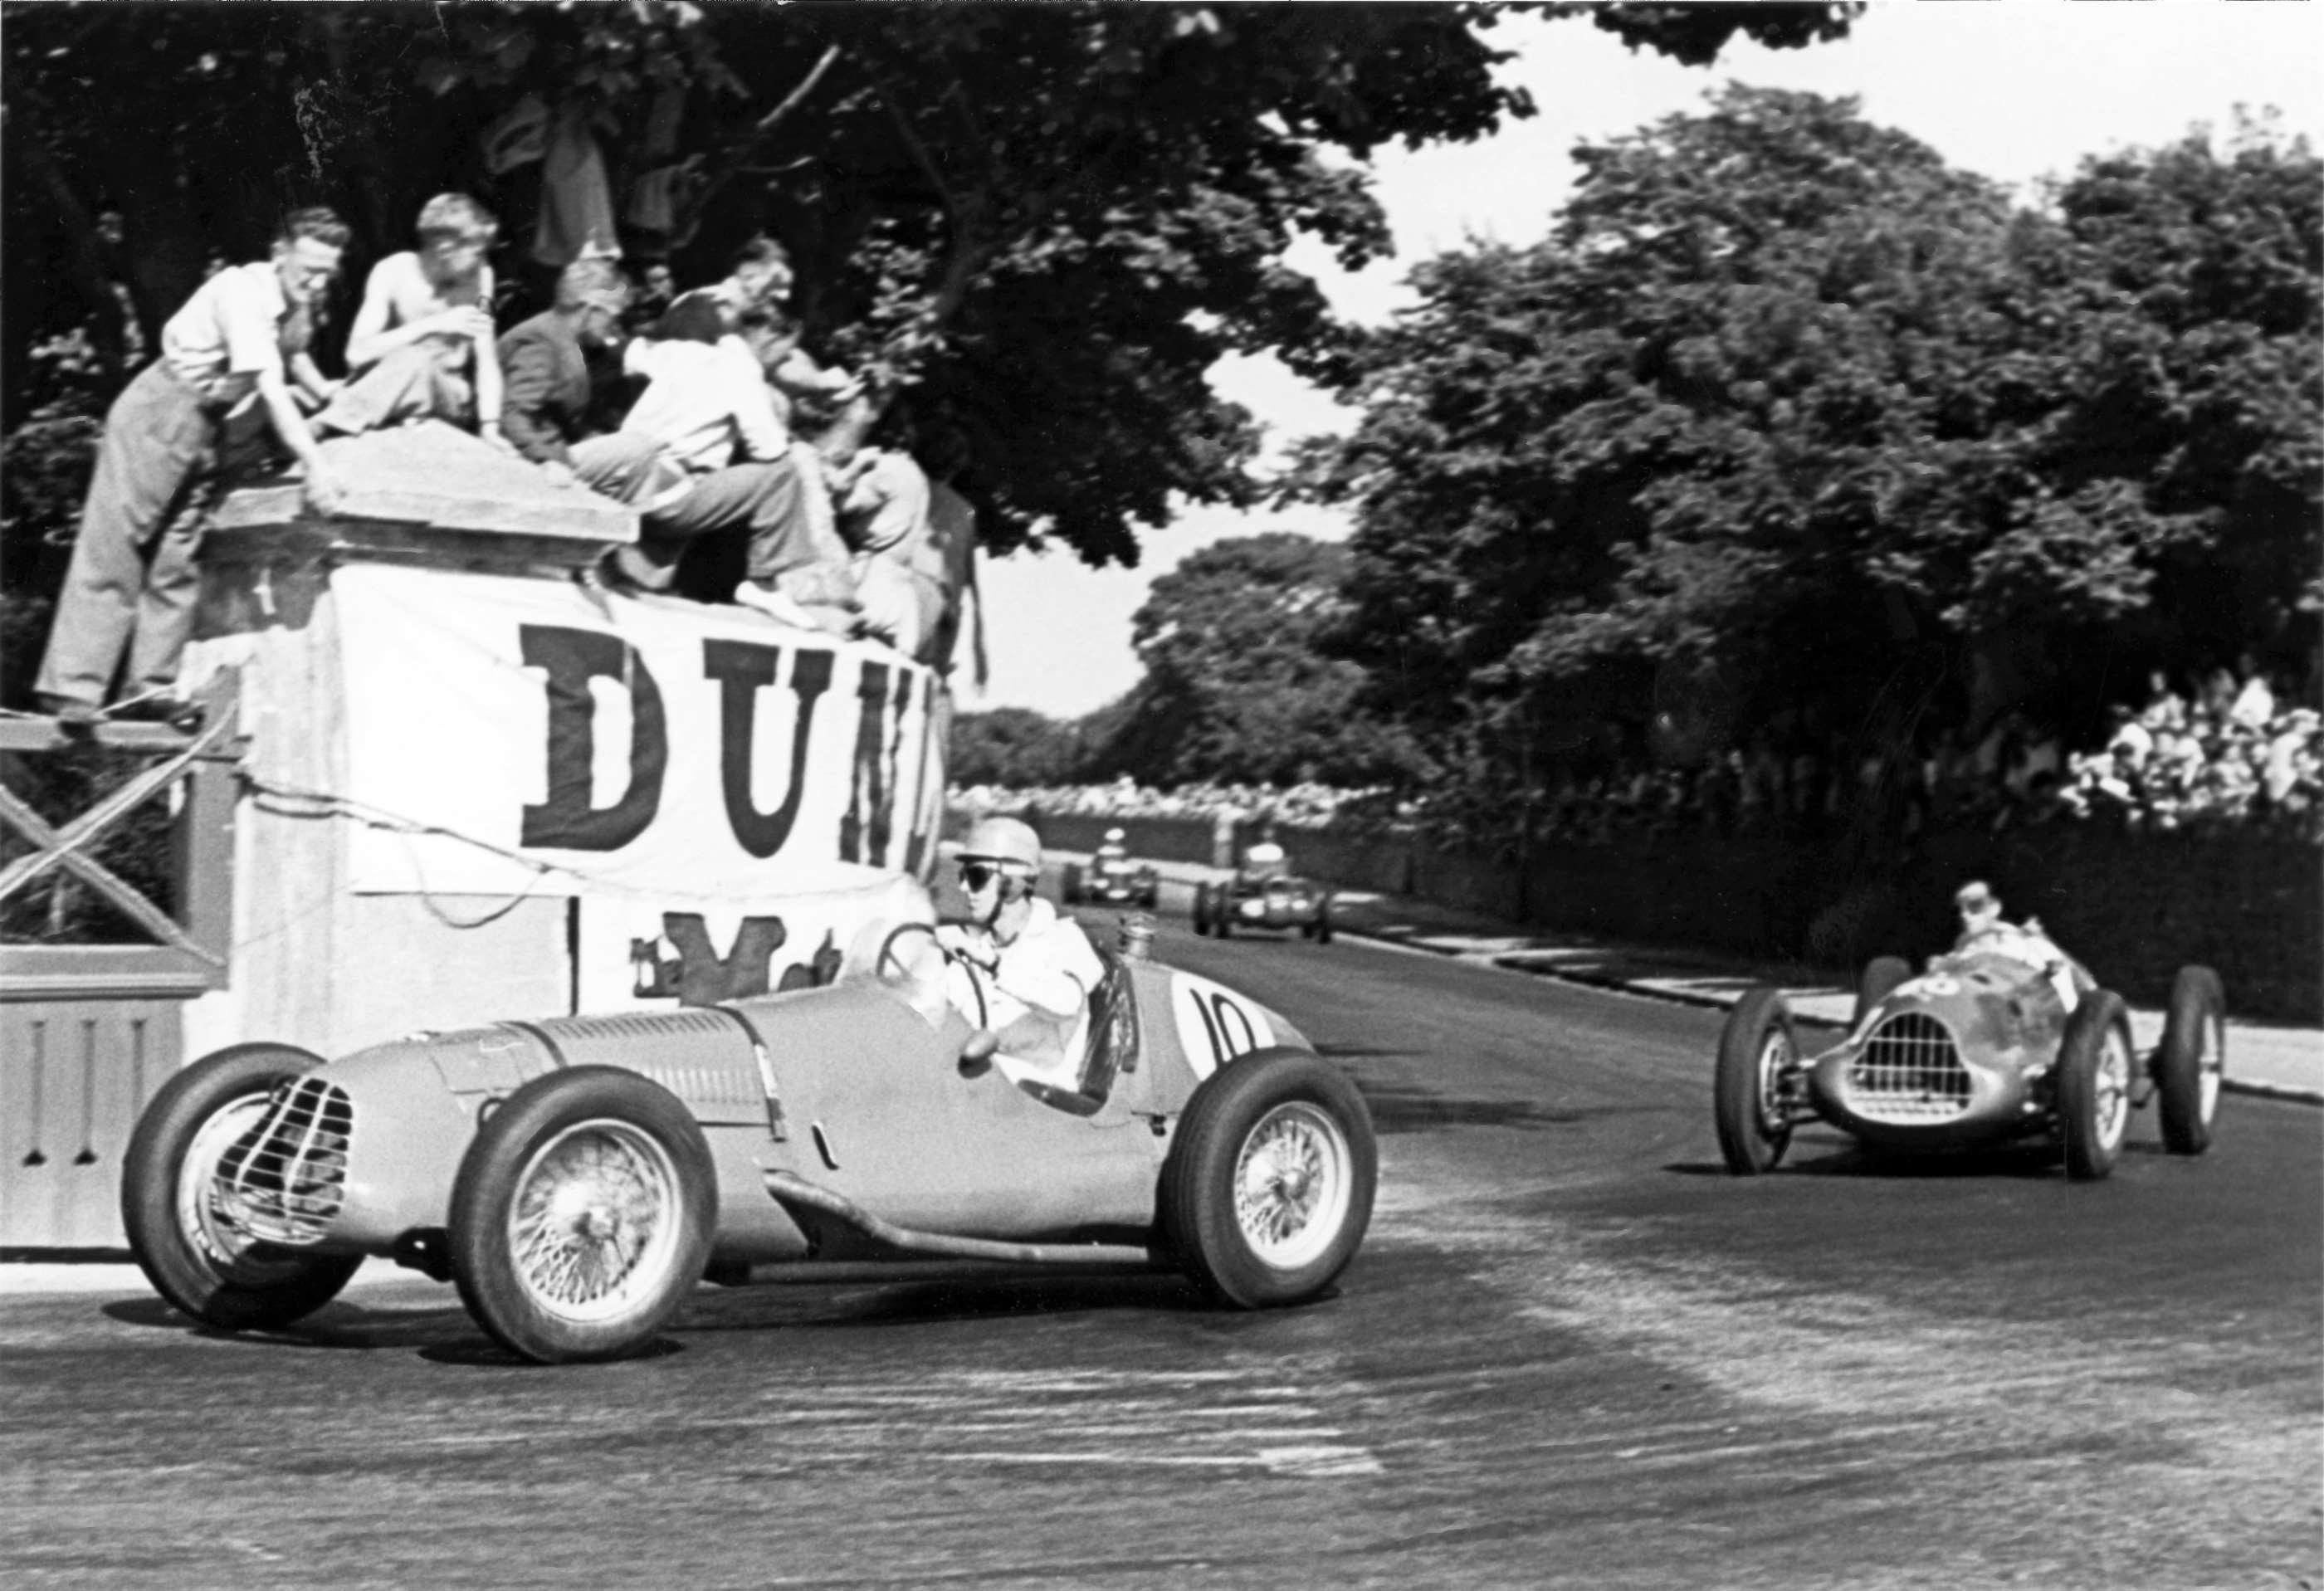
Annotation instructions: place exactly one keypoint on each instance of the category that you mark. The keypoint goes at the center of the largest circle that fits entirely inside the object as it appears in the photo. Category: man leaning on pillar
(132, 584)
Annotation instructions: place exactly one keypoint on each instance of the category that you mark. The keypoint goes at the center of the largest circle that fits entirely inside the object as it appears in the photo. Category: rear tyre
(1223, 906)
(1881, 979)
(2193, 1059)
(188, 1239)
(2094, 1068)
(581, 1216)
(1267, 1188)
(1756, 1050)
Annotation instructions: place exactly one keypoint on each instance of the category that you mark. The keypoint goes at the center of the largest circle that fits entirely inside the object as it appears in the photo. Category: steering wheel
(952, 958)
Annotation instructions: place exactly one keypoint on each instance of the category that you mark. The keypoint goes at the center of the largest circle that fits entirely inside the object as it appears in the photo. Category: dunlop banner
(506, 735)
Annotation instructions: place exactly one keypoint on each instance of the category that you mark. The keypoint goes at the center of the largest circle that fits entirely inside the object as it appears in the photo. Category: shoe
(815, 585)
(73, 715)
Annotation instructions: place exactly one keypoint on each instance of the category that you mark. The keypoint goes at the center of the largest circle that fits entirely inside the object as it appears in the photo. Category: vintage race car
(1978, 1050)
(1111, 880)
(577, 1177)
(1270, 902)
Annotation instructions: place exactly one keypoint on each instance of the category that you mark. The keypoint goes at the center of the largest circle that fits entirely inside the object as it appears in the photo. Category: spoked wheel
(581, 1216)
(2094, 1068)
(194, 1238)
(1756, 1051)
(2192, 1061)
(1268, 1186)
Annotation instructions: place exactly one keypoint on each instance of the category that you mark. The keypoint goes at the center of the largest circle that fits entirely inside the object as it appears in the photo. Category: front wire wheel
(583, 1215)
(185, 1234)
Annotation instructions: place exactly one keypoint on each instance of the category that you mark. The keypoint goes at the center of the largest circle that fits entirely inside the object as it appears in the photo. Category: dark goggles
(975, 876)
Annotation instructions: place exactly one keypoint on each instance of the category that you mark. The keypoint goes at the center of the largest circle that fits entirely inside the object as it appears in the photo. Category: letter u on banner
(573, 658)
(743, 668)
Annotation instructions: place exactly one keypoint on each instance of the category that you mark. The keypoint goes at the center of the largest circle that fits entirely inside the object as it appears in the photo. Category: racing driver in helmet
(1036, 968)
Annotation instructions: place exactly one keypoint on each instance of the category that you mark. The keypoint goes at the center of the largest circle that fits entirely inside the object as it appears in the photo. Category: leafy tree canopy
(1043, 224)
(1238, 684)
(1787, 418)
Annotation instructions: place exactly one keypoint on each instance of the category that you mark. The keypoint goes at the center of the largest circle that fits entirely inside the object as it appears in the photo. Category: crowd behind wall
(2191, 836)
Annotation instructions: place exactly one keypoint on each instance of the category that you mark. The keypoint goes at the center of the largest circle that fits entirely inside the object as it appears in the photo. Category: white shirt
(229, 333)
(705, 399)
(1048, 968)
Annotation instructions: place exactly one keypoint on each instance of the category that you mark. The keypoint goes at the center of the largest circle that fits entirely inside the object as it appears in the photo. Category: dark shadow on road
(339, 1325)
(480, 1353)
(1402, 1108)
(821, 1306)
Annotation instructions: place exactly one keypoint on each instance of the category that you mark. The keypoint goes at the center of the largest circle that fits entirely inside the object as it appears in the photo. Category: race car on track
(577, 1177)
(1112, 879)
(1279, 902)
(1979, 1049)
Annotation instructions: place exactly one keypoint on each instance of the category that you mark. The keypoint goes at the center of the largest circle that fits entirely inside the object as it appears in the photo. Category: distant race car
(1979, 1049)
(577, 1177)
(1111, 879)
(1277, 902)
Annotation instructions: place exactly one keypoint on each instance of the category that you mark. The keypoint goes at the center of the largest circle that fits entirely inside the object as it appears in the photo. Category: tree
(1043, 224)
(1789, 425)
(1240, 685)
(1014, 747)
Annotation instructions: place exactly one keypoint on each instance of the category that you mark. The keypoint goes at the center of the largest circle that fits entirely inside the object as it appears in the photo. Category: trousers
(132, 584)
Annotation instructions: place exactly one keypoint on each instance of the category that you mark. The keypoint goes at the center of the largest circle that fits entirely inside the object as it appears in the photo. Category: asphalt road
(1572, 1353)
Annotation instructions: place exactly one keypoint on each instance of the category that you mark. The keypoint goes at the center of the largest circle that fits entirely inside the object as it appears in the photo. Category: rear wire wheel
(583, 1215)
(1268, 1186)
(2192, 1061)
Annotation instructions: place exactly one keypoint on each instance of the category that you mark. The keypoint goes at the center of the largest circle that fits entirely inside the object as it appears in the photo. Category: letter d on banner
(572, 658)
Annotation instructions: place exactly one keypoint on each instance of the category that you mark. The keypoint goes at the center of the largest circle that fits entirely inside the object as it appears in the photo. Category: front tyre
(1323, 924)
(1268, 1185)
(1756, 1053)
(2094, 1068)
(1202, 910)
(1071, 888)
(2192, 1060)
(186, 1234)
(581, 1216)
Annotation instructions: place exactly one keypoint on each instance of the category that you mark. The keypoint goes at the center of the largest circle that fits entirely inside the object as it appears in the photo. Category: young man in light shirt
(422, 343)
(131, 583)
(1035, 970)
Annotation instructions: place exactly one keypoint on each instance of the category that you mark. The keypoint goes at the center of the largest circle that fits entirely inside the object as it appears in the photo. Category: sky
(2016, 90)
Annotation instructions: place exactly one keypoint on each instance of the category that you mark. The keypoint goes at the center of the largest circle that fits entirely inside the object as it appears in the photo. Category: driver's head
(998, 862)
(1979, 908)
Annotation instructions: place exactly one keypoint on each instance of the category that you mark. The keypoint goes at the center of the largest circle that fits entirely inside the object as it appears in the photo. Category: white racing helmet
(1009, 843)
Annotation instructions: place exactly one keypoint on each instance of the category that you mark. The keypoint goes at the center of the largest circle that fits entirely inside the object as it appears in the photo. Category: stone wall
(2133, 906)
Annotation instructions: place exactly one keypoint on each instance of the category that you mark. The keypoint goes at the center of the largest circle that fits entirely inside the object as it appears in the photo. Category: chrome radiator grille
(1909, 1071)
(283, 1181)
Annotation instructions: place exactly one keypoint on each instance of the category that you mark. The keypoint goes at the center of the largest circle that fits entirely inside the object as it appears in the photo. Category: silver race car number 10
(1213, 1025)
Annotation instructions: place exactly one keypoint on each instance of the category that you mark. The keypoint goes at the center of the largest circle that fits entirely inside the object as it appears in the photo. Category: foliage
(1043, 224)
(1788, 425)
(1014, 747)
(1239, 680)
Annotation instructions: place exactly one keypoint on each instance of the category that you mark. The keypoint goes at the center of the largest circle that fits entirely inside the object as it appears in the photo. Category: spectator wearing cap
(132, 583)
(422, 344)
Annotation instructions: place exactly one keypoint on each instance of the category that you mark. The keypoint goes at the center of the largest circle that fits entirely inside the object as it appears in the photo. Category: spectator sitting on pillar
(952, 543)
(652, 297)
(421, 344)
(883, 518)
(705, 402)
(546, 365)
(132, 583)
